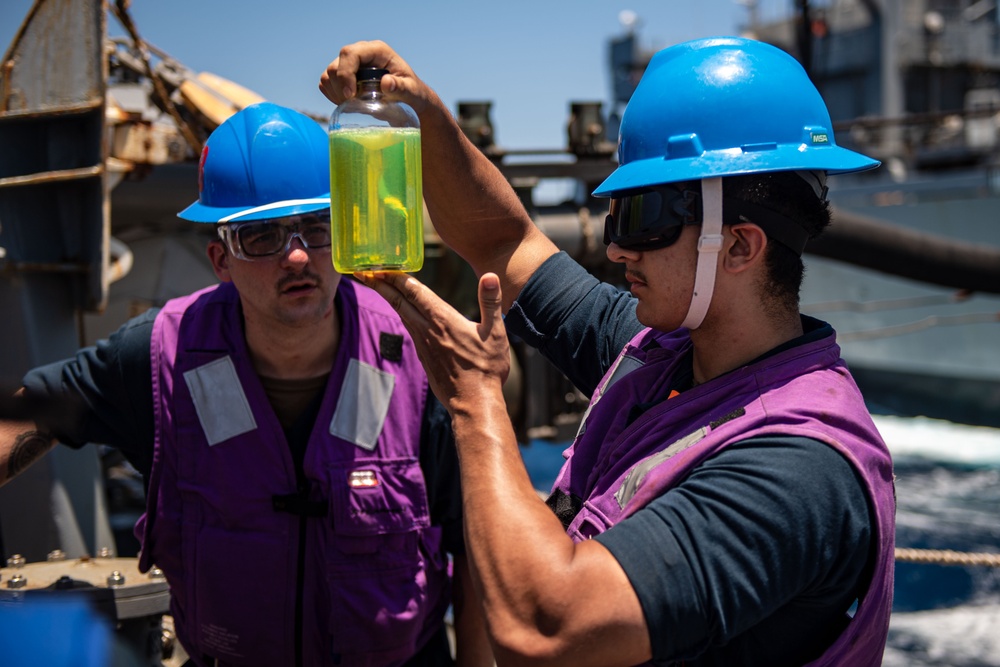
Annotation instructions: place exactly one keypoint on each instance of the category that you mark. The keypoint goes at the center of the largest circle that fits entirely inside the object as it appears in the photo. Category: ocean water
(948, 497)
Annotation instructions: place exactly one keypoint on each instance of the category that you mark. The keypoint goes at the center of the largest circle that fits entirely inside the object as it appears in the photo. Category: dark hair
(789, 195)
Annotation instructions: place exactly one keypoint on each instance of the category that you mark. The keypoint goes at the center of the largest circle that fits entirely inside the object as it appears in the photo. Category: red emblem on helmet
(201, 169)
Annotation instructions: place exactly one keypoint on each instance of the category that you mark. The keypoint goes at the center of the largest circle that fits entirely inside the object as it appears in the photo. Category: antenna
(629, 20)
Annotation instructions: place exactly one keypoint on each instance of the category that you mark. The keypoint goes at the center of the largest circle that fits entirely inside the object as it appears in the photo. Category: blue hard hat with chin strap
(724, 106)
(265, 161)
(718, 107)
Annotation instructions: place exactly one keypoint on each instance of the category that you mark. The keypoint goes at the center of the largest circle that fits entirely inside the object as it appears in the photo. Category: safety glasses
(257, 239)
(652, 219)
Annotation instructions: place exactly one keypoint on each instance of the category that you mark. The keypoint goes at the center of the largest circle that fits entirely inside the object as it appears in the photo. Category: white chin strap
(709, 245)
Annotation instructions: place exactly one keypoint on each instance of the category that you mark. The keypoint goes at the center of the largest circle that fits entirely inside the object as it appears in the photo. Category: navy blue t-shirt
(757, 556)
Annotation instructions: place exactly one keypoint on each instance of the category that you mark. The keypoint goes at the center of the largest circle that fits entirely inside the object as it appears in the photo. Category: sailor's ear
(744, 245)
(219, 256)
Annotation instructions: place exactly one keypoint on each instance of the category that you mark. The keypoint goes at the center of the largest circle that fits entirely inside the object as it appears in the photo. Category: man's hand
(466, 362)
(474, 209)
(555, 603)
(339, 81)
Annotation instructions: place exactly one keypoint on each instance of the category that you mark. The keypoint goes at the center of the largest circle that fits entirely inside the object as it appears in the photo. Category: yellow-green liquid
(376, 199)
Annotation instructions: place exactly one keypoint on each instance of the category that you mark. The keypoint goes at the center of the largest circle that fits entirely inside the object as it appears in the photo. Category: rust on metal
(69, 110)
(8, 67)
(52, 176)
(31, 82)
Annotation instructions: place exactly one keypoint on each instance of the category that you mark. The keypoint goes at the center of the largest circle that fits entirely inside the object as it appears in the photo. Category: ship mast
(889, 23)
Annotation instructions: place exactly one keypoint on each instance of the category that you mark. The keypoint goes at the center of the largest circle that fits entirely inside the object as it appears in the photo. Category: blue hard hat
(265, 161)
(724, 106)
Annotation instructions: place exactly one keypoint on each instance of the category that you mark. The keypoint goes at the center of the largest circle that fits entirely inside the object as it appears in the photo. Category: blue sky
(530, 57)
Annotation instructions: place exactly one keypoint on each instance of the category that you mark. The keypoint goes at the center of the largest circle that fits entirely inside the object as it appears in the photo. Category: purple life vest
(225, 518)
(618, 466)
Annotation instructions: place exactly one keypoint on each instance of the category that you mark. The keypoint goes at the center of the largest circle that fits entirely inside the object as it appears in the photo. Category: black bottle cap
(371, 73)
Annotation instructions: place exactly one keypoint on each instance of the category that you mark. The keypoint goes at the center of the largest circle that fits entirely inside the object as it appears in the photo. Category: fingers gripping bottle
(376, 189)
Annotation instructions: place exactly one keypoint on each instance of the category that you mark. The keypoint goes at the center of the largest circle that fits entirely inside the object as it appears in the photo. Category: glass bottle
(376, 187)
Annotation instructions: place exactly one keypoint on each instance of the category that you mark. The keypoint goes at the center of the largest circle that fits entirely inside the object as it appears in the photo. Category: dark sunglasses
(263, 238)
(652, 219)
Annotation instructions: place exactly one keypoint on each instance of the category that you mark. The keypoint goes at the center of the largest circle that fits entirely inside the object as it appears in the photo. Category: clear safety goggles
(652, 219)
(256, 239)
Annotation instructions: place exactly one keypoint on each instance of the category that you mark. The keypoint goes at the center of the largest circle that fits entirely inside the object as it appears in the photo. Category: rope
(946, 557)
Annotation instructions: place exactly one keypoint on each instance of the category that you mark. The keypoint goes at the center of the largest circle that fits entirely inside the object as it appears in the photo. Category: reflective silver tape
(635, 476)
(363, 404)
(222, 407)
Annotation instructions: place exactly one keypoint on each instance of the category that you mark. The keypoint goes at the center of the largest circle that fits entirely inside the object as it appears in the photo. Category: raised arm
(548, 601)
(474, 209)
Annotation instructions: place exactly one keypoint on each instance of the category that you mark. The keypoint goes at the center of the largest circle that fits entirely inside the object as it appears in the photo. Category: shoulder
(132, 338)
(781, 489)
(126, 347)
(112, 379)
(800, 464)
(561, 285)
(787, 487)
(220, 293)
(579, 323)
(794, 502)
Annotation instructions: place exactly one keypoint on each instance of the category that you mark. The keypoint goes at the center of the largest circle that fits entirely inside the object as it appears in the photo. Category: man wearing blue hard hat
(302, 483)
(727, 499)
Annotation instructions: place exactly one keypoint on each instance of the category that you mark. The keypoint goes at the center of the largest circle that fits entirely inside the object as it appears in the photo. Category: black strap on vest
(565, 506)
(293, 503)
(390, 346)
(738, 412)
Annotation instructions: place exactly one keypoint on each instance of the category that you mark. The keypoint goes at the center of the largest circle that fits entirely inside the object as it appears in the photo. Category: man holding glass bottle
(727, 499)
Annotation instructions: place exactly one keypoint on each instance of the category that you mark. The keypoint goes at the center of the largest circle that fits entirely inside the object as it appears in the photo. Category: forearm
(21, 444)
(501, 509)
(547, 600)
(472, 646)
(474, 209)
